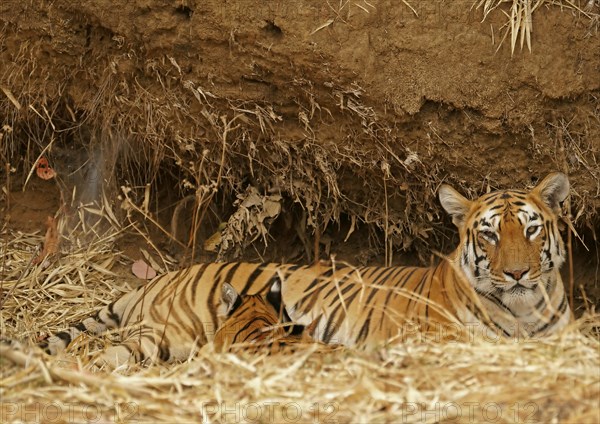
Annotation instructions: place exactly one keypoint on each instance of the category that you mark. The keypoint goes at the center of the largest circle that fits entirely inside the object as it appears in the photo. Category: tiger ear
(454, 203)
(228, 298)
(276, 286)
(553, 190)
(274, 295)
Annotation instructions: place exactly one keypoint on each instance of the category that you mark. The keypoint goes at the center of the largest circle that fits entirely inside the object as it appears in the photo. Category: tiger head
(247, 318)
(510, 247)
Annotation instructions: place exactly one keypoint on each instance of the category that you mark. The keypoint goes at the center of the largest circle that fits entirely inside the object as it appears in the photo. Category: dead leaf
(43, 169)
(142, 270)
(254, 215)
(51, 241)
(212, 243)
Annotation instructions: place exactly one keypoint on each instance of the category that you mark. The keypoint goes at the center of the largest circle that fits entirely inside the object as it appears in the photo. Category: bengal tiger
(255, 323)
(503, 278)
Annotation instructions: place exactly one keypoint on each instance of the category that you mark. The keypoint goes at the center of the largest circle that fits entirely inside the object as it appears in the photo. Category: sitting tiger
(503, 278)
(254, 322)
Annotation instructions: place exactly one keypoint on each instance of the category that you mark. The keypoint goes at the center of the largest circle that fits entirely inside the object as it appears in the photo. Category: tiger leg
(56, 343)
(59, 341)
(142, 347)
(106, 318)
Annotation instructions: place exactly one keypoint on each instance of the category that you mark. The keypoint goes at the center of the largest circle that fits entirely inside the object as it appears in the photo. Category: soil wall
(352, 111)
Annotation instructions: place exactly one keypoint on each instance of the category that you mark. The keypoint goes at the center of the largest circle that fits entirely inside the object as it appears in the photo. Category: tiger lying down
(502, 280)
(254, 322)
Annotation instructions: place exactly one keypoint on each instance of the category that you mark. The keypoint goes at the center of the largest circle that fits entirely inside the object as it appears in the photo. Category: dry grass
(213, 144)
(218, 147)
(550, 380)
(519, 24)
(229, 141)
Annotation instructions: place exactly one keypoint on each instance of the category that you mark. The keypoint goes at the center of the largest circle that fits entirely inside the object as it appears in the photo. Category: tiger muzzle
(516, 274)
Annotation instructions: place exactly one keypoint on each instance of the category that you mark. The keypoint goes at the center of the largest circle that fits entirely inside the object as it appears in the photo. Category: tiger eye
(532, 230)
(489, 235)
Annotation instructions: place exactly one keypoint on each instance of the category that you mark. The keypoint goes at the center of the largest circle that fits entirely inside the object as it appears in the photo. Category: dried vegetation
(151, 126)
(416, 381)
(139, 126)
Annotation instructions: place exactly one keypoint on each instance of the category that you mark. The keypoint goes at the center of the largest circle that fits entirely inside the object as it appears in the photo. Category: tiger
(255, 323)
(502, 279)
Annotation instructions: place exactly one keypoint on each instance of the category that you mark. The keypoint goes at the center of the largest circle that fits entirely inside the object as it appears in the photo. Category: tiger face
(510, 247)
(248, 319)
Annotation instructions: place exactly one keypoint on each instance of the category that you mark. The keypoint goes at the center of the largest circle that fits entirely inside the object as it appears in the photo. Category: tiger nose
(517, 274)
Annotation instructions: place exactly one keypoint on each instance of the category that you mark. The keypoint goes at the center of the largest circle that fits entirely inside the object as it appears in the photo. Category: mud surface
(352, 112)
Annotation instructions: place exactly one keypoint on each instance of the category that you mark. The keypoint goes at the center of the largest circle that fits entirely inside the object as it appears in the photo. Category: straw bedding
(552, 380)
(330, 145)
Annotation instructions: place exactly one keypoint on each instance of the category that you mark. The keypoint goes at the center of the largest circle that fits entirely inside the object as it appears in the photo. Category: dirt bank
(349, 112)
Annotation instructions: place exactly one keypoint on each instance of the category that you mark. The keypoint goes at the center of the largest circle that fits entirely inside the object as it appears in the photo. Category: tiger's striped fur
(502, 278)
(168, 317)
